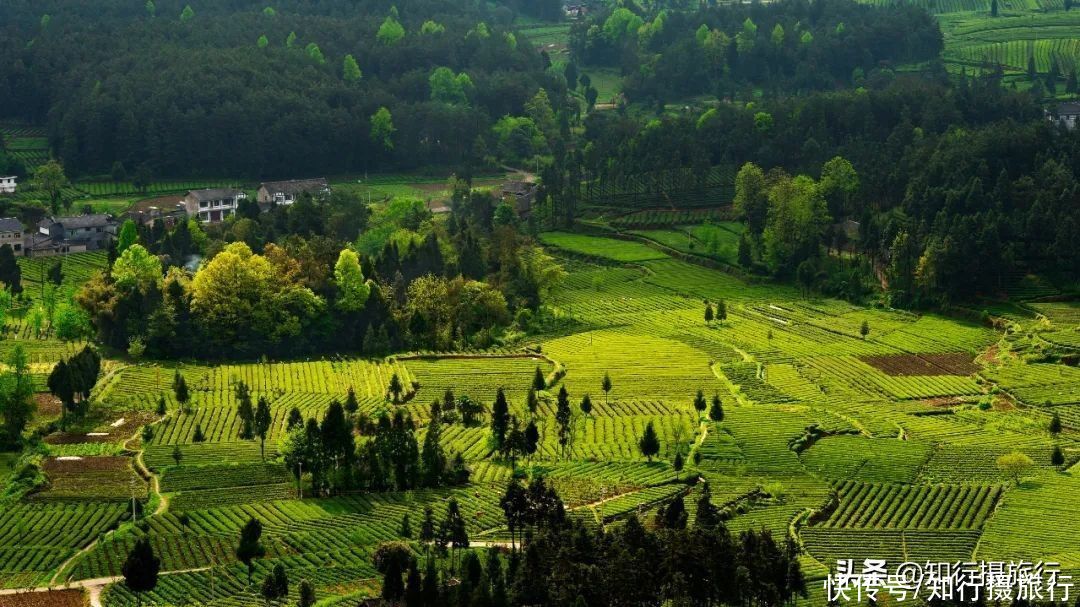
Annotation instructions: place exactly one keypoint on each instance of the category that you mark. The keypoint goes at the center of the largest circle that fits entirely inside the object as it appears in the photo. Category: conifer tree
(649, 443)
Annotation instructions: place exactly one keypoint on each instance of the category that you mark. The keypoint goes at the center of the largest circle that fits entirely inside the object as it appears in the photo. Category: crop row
(888, 506)
(668, 217)
(188, 478)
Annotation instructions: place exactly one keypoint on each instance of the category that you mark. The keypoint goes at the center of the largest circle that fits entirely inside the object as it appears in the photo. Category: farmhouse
(521, 195)
(11, 233)
(287, 192)
(59, 235)
(213, 205)
(7, 185)
(1066, 114)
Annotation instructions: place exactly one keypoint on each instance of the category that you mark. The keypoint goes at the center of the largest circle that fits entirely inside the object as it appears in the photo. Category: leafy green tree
(1055, 424)
(16, 395)
(140, 569)
(539, 382)
(351, 69)
(136, 268)
(128, 236)
(382, 128)
(430, 28)
(708, 313)
(390, 32)
(1057, 458)
(262, 42)
(151, 8)
(707, 515)
(864, 329)
(50, 178)
(649, 443)
(605, 385)
(315, 53)
(752, 197)
(187, 14)
(1015, 465)
(353, 290)
(290, 40)
(677, 464)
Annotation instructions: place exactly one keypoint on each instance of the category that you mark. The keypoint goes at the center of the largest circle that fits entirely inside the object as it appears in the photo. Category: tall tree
(262, 420)
(50, 178)
(245, 411)
(500, 418)
(649, 443)
(250, 546)
(140, 569)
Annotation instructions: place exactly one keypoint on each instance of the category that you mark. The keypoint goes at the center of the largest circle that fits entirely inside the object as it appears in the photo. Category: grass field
(884, 435)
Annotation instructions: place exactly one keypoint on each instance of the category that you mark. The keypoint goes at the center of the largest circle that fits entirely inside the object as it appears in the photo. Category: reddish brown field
(53, 598)
(897, 365)
(53, 466)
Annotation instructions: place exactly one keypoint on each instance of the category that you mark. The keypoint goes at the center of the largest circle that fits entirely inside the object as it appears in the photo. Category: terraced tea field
(883, 446)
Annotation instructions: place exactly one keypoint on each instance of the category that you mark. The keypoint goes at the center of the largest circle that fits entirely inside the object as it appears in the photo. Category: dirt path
(93, 586)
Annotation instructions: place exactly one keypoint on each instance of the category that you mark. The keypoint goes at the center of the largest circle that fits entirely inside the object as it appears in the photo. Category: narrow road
(93, 586)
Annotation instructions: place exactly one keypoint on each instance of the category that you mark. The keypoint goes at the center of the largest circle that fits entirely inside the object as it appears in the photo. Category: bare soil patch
(901, 365)
(52, 598)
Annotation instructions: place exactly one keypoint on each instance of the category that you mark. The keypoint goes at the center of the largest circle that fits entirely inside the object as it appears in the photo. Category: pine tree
(250, 547)
(864, 329)
(708, 313)
(351, 404)
(161, 409)
(699, 401)
(532, 402)
(177, 454)
(649, 443)
(296, 419)
(307, 594)
(1057, 458)
(716, 411)
(406, 527)
(721, 310)
(432, 458)
(677, 464)
(563, 416)
(532, 438)
(395, 388)
(414, 587)
(180, 390)
(245, 411)
(586, 404)
(605, 385)
(1055, 424)
(263, 419)
(539, 383)
(500, 418)
(707, 514)
(197, 436)
(141, 568)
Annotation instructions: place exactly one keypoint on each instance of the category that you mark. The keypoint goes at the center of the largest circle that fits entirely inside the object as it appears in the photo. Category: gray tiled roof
(10, 224)
(214, 193)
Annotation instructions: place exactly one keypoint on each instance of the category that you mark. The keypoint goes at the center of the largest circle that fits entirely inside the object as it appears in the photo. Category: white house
(1066, 113)
(213, 205)
(287, 192)
(7, 185)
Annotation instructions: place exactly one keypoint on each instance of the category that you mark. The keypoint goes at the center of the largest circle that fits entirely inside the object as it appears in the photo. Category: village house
(287, 192)
(11, 233)
(213, 205)
(59, 235)
(7, 185)
(521, 195)
(1066, 114)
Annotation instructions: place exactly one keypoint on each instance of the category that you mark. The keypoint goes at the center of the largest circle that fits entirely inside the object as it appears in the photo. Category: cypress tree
(500, 418)
(141, 568)
(649, 443)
